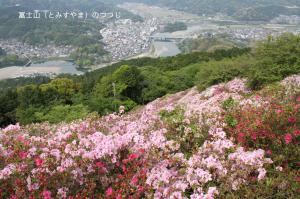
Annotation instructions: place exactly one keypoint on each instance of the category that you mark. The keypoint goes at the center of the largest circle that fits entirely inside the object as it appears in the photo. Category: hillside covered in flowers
(224, 142)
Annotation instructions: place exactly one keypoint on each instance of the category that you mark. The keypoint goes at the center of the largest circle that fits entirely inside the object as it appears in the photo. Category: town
(246, 33)
(125, 38)
(31, 51)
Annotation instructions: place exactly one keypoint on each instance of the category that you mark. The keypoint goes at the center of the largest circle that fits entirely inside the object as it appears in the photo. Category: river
(165, 49)
(48, 68)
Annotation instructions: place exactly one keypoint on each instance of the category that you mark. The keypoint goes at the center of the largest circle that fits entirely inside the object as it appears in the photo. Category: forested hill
(58, 31)
(137, 82)
(241, 9)
(84, 5)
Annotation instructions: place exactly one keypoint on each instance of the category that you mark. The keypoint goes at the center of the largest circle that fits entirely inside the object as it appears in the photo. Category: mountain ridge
(233, 8)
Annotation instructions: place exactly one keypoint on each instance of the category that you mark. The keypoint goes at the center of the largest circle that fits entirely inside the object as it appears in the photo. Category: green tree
(64, 87)
(60, 113)
(29, 95)
(122, 87)
(8, 105)
(27, 115)
(130, 79)
(277, 59)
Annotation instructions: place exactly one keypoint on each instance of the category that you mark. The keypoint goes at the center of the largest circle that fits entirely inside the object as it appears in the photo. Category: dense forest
(10, 60)
(139, 81)
(90, 55)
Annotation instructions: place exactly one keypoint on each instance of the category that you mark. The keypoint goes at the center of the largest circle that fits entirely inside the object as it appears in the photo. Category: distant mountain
(38, 31)
(56, 4)
(241, 9)
(60, 32)
(59, 5)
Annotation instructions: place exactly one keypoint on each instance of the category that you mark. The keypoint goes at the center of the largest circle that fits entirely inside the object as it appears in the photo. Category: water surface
(46, 68)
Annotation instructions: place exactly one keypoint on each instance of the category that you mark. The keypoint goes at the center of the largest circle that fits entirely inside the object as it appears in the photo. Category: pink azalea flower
(298, 99)
(46, 194)
(279, 111)
(262, 173)
(119, 196)
(20, 138)
(257, 97)
(109, 191)
(134, 180)
(288, 138)
(279, 168)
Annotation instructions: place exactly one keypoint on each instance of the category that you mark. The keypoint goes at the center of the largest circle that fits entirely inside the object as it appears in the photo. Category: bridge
(162, 37)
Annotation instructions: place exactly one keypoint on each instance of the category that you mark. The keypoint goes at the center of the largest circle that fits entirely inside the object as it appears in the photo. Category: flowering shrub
(174, 147)
(274, 127)
(199, 175)
(270, 120)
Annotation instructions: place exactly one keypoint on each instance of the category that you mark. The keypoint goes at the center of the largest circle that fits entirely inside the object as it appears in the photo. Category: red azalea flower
(124, 168)
(99, 164)
(254, 136)
(38, 162)
(297, 132)
(125, 161)
(142, 151)
(241, 137)
(292, 119)
(298, 99)
(288, 138)
(269, 152)
(23, 154)
(109, 191)
(133, 156)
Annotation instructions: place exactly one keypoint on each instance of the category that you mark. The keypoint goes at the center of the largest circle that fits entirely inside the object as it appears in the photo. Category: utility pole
(114, 91)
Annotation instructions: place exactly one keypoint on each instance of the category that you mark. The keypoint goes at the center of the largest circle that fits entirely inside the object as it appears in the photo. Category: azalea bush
(177, 147)
(268, 122)
(269, 119)
(186, 133)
